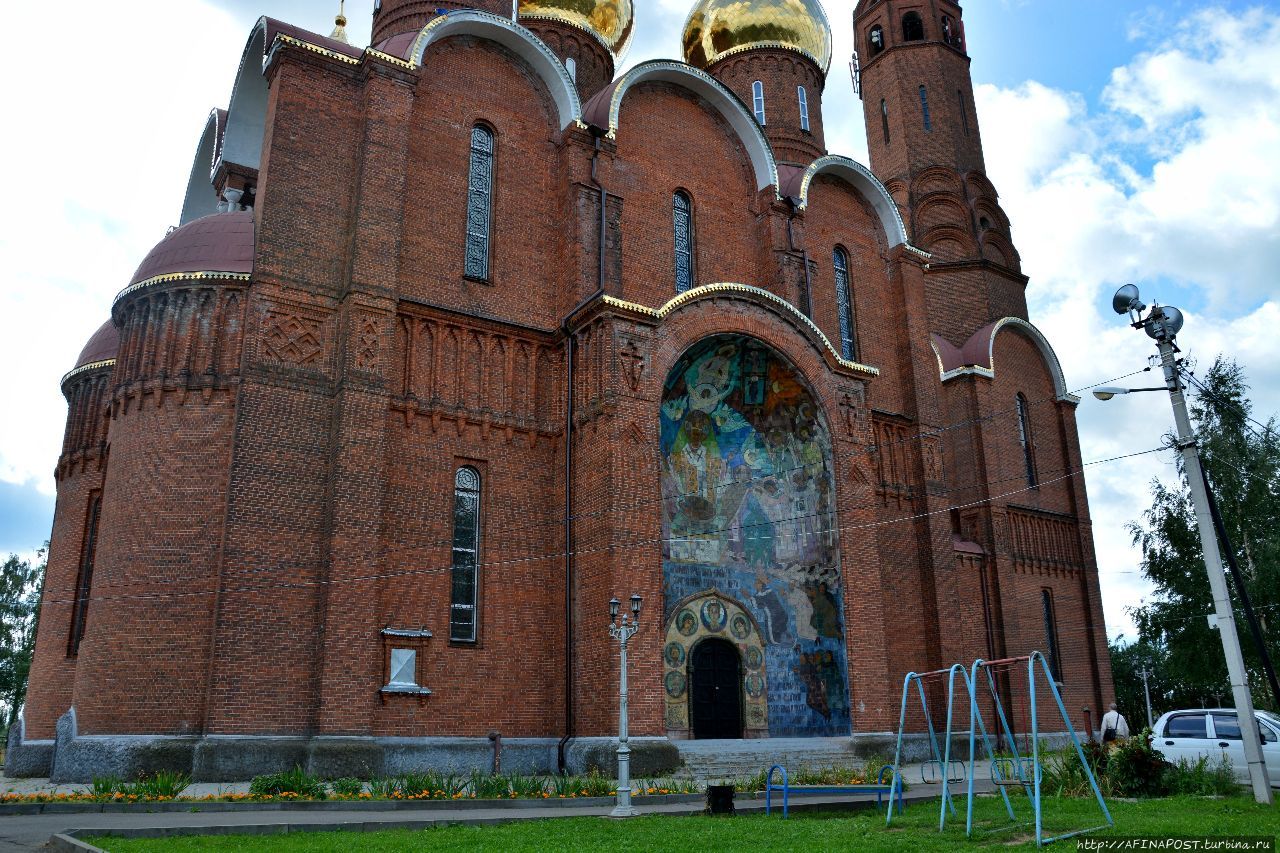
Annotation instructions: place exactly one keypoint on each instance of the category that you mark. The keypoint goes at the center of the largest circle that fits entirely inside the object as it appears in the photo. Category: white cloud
(108, 127)
(1171, 183)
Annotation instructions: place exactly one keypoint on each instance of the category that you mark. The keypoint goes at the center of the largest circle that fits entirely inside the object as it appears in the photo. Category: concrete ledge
(27, 759)
(462, 755)
(81, 758)
(650, 756)
(234, 759)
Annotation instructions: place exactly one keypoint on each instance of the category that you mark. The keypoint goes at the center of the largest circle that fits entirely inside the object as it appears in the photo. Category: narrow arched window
(682, 221)
(884, 119)
(84, 581)
(479, 203)
(964, 114)
(1025, 439)
(876, 39)
(804, 107)
(844, 305)
(1051, 634)
(912, 27)
(757, 101)
(924, 109)
(466, 555)
(572, 67)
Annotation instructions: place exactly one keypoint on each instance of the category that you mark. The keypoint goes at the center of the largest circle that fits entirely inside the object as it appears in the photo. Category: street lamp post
(1146, 692)
(1162, 325)
(622, 631)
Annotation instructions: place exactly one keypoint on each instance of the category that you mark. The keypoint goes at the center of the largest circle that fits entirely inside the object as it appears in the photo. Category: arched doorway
(715, 690)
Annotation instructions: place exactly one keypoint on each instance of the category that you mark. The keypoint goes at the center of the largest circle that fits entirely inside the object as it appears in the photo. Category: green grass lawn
(915, 831)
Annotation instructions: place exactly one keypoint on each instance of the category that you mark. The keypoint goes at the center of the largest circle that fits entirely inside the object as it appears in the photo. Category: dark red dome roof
(220, 242)
(102, 346)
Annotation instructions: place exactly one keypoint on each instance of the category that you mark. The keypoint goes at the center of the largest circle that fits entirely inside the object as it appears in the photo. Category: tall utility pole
(1147, 693)
(1162, 325)
(1217, 579)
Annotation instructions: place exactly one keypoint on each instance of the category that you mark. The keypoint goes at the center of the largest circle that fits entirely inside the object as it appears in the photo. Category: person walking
(1114, 726)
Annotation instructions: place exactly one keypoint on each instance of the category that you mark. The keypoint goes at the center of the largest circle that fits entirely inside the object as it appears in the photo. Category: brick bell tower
(926, 147)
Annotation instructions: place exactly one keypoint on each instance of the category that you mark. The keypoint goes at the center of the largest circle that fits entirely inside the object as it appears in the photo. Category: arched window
(466, 555)
(1051, 634)
(924, 110)
(875, 38)
(757, 101)
(479, 203)
(884, 119)
(572, 67)
(964, 114)
(912, 27)
(844, 305)
(1025, 439)
(804, 107)
(682, 213)
(84, 583)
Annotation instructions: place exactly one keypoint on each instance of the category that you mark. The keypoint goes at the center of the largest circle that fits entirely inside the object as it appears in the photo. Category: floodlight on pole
(1162, 325)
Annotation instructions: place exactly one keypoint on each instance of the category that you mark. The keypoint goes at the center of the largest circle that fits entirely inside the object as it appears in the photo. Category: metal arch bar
(918, 678)
(1075, 740)
(768, 789)
(986, 666)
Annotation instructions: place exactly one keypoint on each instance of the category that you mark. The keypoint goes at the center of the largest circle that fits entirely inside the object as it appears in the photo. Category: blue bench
(879, 789)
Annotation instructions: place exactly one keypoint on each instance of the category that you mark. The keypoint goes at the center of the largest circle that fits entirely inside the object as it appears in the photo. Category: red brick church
(464, 334)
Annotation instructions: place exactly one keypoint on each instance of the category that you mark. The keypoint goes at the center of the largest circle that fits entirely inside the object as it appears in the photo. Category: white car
(1215, 732)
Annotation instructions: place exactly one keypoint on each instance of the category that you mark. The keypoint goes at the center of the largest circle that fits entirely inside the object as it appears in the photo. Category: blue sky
(1130, 141)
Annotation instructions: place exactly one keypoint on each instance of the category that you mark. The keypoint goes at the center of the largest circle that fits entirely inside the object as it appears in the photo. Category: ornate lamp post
(623, 631)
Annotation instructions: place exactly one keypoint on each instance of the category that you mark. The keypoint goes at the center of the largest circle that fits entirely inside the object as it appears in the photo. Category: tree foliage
(20, 587)
(1242, 461)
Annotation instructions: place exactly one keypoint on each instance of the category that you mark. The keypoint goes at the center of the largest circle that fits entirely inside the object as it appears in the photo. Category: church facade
(464, 334)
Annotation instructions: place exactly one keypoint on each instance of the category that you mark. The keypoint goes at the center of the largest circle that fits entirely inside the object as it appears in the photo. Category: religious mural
(749, 501)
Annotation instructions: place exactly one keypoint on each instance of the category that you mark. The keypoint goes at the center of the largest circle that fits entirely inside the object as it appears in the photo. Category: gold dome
(717, 28)
(611, 21)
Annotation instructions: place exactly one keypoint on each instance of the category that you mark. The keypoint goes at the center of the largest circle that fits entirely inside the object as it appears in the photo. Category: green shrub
(384, 787)
(296, 781)
(527, 786)
(347, 787)
(1205, 777)
(485, 786)
(106, 787)
(1136, 769)
(162, 783)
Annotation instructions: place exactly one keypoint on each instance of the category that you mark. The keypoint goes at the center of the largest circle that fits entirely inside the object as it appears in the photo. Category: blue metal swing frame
(1023, 771)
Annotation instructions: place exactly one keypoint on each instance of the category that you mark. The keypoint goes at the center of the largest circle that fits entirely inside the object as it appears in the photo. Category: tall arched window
(884, 119)
(912, 27)
(924, 109)
(466, 555)
(964, 114)
(84, 582)
(757, 101)
(1025, 439)
(479, 202)
(571, 66)
(682, 216)
(844, 305)
(804, 107)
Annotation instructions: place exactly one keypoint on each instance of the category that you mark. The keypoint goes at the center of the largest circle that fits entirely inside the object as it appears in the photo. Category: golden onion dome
(611, 21)
(718, 28)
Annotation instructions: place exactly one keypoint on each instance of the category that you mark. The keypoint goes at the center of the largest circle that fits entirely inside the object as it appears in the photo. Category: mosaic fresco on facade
(749, 501)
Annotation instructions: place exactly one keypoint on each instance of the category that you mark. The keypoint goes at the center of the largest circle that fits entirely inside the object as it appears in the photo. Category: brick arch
(860, 178)
(520, 41)
(700, 313)
(935, 179)
(605, 108)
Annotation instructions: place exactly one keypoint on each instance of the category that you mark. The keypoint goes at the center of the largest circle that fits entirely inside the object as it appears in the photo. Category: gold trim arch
(710, 614)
